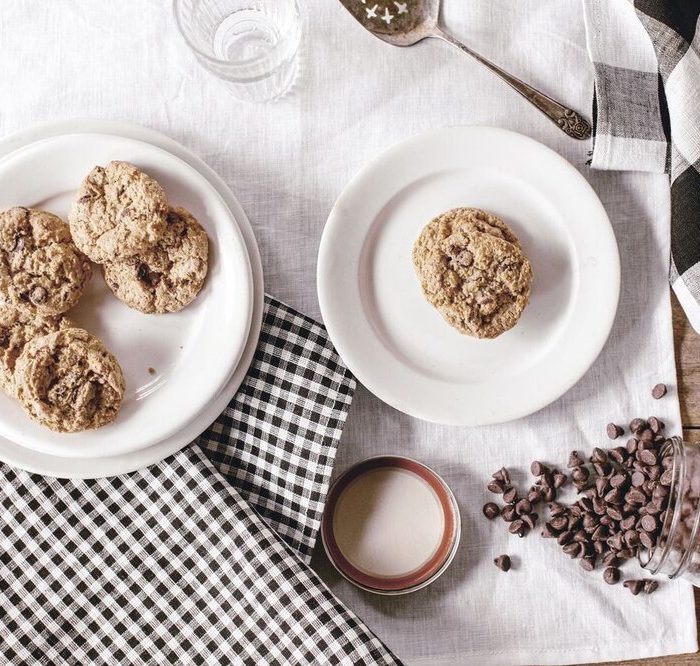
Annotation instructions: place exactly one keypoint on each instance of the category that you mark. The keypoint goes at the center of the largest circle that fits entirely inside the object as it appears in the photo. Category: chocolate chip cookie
(17, 328)
(41, 270)
(67, 381)
(119, 211)
(472, 269)
(167, 276)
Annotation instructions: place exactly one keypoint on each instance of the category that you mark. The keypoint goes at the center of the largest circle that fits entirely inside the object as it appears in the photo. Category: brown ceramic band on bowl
(428, 571)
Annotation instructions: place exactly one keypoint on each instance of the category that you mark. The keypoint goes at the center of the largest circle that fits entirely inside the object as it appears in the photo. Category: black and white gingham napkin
(647, 112)
(203, 557)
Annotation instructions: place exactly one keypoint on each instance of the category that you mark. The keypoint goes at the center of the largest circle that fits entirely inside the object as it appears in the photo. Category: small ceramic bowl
(391, 525)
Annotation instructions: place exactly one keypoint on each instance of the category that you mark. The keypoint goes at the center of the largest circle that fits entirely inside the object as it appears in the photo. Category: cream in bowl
(391, 525)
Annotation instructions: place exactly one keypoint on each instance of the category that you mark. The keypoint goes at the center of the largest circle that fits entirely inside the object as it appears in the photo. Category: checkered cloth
(647, 112)
(203, 557)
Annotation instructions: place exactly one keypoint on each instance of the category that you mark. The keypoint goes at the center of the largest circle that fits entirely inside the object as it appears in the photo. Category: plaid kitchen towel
(201, 558)
(646, 56)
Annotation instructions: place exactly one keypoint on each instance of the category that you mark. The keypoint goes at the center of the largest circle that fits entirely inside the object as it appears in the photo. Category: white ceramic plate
(89, 466)
(191, 353)
(398, 345)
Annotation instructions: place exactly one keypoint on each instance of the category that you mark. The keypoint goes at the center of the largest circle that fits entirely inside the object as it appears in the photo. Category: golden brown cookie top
(167, 276)
(119, 211)
(41, 270)
(472, 269)
(17, 328)
(68, 381)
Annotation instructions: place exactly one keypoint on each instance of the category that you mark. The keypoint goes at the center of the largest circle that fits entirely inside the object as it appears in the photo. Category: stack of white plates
(181, 369)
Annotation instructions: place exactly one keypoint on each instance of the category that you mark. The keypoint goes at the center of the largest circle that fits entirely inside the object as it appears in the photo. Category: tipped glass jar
(676, 553)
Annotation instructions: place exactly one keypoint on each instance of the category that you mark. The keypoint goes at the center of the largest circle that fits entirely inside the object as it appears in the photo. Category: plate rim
(342, 340)
(109, 466)
(227, 219)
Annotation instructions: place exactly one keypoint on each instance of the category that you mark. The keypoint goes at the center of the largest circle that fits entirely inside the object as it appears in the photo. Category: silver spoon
(407, 22)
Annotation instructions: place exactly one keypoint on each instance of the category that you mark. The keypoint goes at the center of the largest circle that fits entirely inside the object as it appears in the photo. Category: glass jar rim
(177, 13)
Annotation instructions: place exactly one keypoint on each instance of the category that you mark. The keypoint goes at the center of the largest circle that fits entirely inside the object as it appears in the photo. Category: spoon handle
(568, 120)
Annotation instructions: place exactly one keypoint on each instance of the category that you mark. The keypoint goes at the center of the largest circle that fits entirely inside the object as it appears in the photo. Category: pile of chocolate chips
(624, 492)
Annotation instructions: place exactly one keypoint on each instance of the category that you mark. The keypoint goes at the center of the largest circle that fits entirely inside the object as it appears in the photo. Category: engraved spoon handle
(568, 120)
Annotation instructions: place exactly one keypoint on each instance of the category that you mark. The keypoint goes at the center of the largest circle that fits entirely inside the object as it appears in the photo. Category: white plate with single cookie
(399, 346)
(174, 364)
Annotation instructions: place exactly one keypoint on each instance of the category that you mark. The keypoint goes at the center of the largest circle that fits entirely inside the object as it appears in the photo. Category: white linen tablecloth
(288, 161)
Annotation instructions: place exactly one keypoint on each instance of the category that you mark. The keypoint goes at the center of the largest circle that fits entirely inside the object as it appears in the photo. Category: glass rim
(176, 8)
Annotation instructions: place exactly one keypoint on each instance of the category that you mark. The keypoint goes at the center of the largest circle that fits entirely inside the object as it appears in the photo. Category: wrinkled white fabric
(288, 161)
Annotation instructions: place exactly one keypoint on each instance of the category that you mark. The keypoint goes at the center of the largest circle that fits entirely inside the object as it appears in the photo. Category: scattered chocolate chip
(635, 496)
(661, 491)
(502, 562)
(666, 478)
(565, 538)
(637, 425)
(599, 456)
(496, 487)
(510, 495)
(538, 469)
(615, 541)
(573, 550)
(659, 391)
(614, 431)
(655, 425)
(654, 472)
(559, 523)
(508, 513)
(559, 479)
(581, 536)
(502, 475)
(575, 522)
(548, 532)
(648, 457)
(530, 519)
(611, 575)
(518, 527)
(618, 480)
(628, 523)
(619, 454)
(610, 559)
(580, 475)
(646, 539)
(649, 523)
(575, 460)
(638, 479)
(523, 506)
(587, 562)
(491, 510)
(631, 538)
(650, 586)
(634, 586)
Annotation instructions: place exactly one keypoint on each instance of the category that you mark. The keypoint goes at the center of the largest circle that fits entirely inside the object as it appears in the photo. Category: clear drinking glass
(252, 45)
(677, 552)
